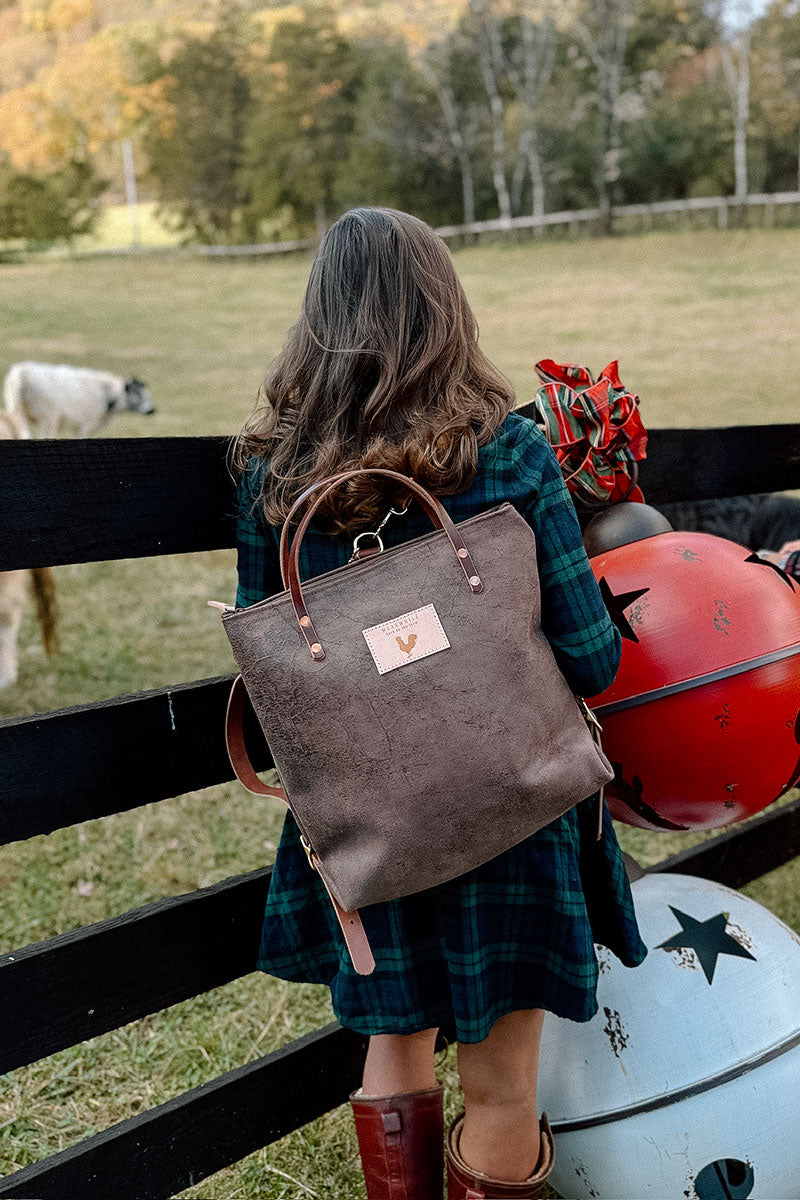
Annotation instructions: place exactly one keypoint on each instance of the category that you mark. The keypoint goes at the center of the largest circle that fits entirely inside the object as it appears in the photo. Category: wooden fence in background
(722, 212)
(78, 501)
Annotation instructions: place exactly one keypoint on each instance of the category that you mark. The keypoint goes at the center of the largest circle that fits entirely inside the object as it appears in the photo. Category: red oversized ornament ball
(702, 722)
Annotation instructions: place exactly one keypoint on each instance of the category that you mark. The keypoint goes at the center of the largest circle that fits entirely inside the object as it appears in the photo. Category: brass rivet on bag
(463, 552)
(315, 648)
(305, 620)
(474, 580)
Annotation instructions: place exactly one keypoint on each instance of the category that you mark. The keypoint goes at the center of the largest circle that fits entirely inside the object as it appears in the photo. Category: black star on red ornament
(616, 606)
(755, 558)
(708, 939)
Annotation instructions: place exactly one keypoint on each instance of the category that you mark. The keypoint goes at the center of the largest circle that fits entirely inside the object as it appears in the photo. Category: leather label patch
(406, 638)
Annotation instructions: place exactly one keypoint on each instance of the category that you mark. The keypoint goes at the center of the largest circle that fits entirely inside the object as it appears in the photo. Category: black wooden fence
(77, 501)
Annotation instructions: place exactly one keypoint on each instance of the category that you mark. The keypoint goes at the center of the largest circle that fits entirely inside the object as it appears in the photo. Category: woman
(383, 369)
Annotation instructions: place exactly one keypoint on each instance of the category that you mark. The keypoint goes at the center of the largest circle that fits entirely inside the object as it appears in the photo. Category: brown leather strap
(430, 504)
(350, 921)
(354, 932)
(283, 552)
(601, 796)
(237, 751)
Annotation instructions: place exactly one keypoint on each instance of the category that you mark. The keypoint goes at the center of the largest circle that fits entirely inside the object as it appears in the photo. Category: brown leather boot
(400, 1140)
(465, 1184)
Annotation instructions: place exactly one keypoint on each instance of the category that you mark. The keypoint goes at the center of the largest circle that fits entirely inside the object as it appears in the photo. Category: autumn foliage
(251, 123)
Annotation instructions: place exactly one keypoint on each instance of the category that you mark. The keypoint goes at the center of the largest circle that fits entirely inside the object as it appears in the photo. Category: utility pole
(130, 191)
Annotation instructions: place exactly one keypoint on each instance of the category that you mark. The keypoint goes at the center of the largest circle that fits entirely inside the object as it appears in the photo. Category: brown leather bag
(416, 715)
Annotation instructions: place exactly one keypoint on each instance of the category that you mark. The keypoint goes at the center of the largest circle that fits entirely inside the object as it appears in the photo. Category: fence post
(722, 214)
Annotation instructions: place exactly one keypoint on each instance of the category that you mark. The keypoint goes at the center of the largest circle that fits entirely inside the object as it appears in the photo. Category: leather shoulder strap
(237, 752)
(349, 921)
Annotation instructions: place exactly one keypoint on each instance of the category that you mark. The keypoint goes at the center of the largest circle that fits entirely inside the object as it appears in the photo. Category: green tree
(195, 156)
(49, 208)
(302, 122)
(450, 67)
(682, 147)
(400, 154)
(776, 92)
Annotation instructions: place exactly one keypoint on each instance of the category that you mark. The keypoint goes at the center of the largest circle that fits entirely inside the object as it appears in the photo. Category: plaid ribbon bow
(594, 428)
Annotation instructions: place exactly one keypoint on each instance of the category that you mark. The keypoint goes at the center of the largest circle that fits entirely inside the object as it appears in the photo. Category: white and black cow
(44, 396)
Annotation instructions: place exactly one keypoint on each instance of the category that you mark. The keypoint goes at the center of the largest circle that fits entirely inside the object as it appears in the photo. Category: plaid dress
(519, 931)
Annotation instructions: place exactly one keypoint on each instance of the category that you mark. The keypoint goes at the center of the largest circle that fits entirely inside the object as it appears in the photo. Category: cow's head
(137, 396)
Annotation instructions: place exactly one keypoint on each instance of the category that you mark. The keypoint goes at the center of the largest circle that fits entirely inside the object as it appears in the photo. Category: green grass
(705, 329)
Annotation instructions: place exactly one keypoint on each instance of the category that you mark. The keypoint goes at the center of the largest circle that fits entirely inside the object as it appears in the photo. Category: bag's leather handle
(430, 504)
(350, 922)
(327, 484)
(299, 502)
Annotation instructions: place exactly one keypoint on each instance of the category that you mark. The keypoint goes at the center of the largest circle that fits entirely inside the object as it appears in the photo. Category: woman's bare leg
(500, 1134)
(399, 1063)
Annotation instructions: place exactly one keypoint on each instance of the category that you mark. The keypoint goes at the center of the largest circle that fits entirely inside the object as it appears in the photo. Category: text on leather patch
(406, 638)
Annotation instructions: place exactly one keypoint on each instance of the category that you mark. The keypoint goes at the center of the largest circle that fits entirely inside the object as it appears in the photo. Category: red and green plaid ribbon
(595, 429)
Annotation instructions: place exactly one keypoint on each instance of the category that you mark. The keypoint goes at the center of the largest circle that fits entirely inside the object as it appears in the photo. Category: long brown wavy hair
(382, 369)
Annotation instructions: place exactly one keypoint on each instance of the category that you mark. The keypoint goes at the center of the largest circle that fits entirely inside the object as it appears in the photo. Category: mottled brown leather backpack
(416, 715)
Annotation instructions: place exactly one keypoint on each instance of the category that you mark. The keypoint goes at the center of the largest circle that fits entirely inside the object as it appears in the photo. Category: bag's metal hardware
(588, 714)
(375, 533)
(367, 534)
(223, 607)
(304, 842)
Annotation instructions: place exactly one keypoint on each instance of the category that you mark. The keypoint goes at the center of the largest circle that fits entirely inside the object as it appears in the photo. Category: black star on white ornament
(616, 606)
(708, 939)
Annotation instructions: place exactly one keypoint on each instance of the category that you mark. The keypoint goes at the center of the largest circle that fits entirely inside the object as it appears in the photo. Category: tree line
(268, 123)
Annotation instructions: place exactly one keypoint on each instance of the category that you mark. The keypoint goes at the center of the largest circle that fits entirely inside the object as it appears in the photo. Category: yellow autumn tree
(56, 16)
(63, 15)
(77, 106)
(33, 132)
(88, 82)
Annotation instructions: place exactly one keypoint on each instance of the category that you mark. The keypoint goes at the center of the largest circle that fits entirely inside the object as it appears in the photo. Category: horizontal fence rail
(722, 206)
(723, 209)
(98, 499)
(166, 1149)
(68, 500)
(88, 981)
(738, 856)
(77, 764)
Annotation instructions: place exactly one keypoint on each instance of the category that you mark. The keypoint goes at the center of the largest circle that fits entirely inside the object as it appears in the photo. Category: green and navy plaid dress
(518, 932)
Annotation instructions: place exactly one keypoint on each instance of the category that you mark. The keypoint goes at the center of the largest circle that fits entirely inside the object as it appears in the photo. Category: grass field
(705, 328)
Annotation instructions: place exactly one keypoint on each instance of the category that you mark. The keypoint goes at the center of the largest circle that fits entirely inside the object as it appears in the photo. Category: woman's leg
(399, 1118)
(500, 1134)
(398, 1063)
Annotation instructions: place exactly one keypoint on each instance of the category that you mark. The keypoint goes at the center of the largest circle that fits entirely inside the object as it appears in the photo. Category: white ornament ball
(686, 1083)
